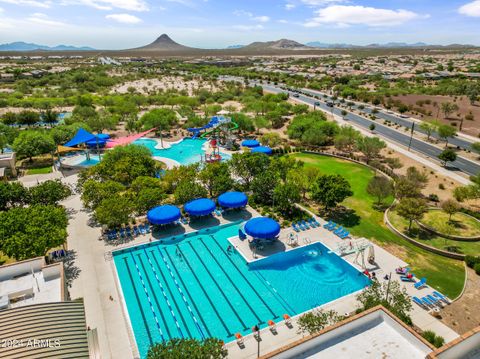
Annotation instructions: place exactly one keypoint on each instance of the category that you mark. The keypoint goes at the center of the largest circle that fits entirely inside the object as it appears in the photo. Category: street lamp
(411, 135)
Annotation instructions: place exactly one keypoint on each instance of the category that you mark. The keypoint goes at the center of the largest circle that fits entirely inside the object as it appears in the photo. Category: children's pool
(185, 152)
(81, 160)
(192, 287)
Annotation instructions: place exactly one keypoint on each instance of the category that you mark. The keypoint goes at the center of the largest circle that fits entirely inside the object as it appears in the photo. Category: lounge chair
(301, 226)
(421, 283)
(418, 301)
(239, 338)
(441, 297)
(142, 229)
(128, 230)
(295, 228)
(136, 232)
(434, 300)
(147, 227)
(184, 220)
(272, 326)
(402, 271)
(218, 211)
(339, 230)
(344, 235)
(333, 227)
(428, 301)
(287, 319)
(305, 224)
(326, 225)
(315, 222)
(114, 233)
(122, 232)
(405, 278)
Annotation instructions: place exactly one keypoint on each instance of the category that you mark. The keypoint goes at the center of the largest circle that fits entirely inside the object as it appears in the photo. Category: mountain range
(25, 46)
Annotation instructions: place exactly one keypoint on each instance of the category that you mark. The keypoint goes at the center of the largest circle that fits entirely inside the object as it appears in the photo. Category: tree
(304, 178)
(285, 195)
(49, 192)
(446, 131)
(450, 207)
(114, 211)
(316, 320)
(344, 114)
(346, 138)
(476, 147)
(271, 139)
(370, 147)
(160, 118)
(263, 186)
(146, 193)
(33, 143)
(428, 128)
(391, 295)
(94, 192)
(380, 187)
(187, 191)
(12, 194)
(216, 178)
(211, 348)
(28, 232)
(372, 127)
(28, 117)
(448, 108)
(411, 209)
(248, 165)
(49, 116)
(447, 155)
(329, 190)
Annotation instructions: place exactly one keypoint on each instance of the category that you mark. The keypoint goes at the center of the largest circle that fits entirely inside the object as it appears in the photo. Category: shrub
(441, 186)
(433, 338)
(471, 260)
(433, 197)
(476, 267)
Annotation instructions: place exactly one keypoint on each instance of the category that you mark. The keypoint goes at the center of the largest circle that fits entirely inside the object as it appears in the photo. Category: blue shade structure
(233, 200)
(200, 207)
(262, 227)
(163, 215)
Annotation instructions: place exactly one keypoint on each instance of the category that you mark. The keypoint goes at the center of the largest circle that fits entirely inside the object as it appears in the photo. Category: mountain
(388, 45)
(235, 47)
(164, 43)
(282, 44)
(323, 45)
(24, 46)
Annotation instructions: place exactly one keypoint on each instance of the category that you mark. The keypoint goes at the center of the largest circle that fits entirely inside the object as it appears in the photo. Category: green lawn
(472, 248)
(39, 171)
(461, 224)
(446, 275)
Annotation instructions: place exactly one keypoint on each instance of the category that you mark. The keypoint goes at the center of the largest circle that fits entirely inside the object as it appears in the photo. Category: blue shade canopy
(250, 143)
(262, 149)
(233, 200)
(163, 214)
(200, 207)
(262, 227)
(81, 136)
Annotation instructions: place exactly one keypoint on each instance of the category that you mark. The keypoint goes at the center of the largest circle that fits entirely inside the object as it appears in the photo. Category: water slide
(214, 122)
(234, 127)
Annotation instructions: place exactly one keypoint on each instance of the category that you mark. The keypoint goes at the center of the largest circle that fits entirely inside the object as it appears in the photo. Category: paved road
(462, 164)
(405, 122)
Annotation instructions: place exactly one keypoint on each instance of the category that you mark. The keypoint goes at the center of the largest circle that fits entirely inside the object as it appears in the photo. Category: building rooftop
(30, 282)
(375, 333)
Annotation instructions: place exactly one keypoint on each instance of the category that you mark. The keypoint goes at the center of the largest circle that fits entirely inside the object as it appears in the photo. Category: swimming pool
(81, 160)
(192, 287)
(185, 152)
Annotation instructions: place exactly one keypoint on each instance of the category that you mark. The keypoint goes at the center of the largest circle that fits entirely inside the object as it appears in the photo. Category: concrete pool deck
(93, 277)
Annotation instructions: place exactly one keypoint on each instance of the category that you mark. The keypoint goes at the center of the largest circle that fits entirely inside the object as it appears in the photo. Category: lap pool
(191, 287)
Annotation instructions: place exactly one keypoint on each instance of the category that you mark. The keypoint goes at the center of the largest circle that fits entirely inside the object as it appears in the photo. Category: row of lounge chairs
(431, 301)
(338, 230)
(128, 232)
(256, 330)
(57, 255)
(407, 276)
(304, 225)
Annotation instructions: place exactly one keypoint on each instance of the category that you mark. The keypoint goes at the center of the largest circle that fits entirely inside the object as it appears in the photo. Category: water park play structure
(220, 127)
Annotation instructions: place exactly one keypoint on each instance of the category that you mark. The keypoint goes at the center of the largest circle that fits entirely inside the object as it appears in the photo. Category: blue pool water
(191, 287)
(185, 152)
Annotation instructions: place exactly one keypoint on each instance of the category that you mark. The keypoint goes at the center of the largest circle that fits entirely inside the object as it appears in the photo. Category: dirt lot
(464, 314)
(469, 127)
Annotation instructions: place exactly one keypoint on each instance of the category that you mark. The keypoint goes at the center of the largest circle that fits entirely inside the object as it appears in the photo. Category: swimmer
(229, 249)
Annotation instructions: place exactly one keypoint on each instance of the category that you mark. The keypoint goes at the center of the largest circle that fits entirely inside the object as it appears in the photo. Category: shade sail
(63, 149)
(81, 136)
(262, 149)
(200, 207)
(122, 141)
(163, 214)
(262, 227)
(233, 200)
(250, 143)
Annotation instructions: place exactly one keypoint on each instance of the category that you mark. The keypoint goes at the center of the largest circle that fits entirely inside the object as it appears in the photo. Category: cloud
(248, 27)
(470, 9)
(130, 5)
(290, 6)
(33, 3)
(124, 18)
(321, 2)
(251, 16)
(343, 15)
(43, 19)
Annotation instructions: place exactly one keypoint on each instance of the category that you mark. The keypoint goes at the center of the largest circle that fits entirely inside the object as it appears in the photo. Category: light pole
(411, 135)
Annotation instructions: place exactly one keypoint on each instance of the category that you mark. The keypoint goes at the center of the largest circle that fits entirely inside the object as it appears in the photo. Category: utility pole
(411, 135)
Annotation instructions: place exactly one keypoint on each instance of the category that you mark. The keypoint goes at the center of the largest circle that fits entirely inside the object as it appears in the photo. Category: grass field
(461, 224)
(446, 275)
(39, 171)
(472, 248)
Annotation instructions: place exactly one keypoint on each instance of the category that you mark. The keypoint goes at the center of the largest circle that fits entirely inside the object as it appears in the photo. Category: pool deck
(93, 277)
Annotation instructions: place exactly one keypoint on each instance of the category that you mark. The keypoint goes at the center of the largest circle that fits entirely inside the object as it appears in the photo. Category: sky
(119, 24)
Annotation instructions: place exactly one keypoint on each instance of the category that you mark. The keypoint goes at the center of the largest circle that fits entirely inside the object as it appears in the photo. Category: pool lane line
(205, 292)
(163, 292)
(167, 327)
(148, 298)
(259, 320)
(219, 288)
(275, 316)
(188, 294)
(171, 293)
(275, 293)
